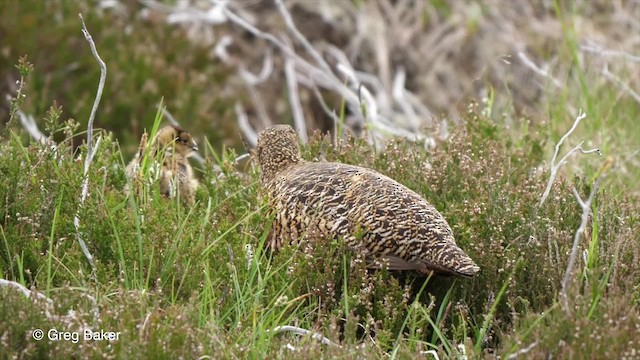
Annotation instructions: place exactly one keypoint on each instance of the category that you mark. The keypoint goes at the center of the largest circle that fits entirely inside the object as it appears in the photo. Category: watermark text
(76, 336)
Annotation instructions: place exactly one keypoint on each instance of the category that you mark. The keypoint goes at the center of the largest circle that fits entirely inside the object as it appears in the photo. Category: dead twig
(621, 84)
(300, 331)
(294, 100)
(90, 149)
(29, 124)
(49, 304)
(586, 210)
(523, 351)
(248, 133)
(555, 166)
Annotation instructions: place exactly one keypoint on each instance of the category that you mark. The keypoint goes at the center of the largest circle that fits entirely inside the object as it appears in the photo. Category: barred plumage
(374, 214)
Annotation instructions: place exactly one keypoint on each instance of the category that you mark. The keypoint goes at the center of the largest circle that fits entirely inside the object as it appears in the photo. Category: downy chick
(171, 147)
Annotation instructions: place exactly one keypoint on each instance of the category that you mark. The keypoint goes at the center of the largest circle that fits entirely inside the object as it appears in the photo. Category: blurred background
(377, 69)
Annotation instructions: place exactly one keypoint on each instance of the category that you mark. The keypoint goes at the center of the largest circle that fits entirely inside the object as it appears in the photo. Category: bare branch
(317, 57)
(555, 166)
(29, 124)
(220, 50)
(252, 80)
(25, 291)
(90, 148)
(523, 351)
(592, 47)
(369, 111)
(327, 111)
(586, 210)
(624, 87)
(303, 332)
(544, 73)
(398, 92)
(402, 114)
(241, 157)
(243, 123)
(294, 100)
(49, 305)
(435, 354)
(265, 72)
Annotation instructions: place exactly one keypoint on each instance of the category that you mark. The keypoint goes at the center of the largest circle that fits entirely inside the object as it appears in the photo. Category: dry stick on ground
(523, 351)
(555, 166)
(435, 354)
(25, 291)
(586, 209)
(301, 331)
(90, 149)
(49, 305)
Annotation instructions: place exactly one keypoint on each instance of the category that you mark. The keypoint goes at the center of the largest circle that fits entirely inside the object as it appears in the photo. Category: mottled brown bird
(171, 148)
(375, 215)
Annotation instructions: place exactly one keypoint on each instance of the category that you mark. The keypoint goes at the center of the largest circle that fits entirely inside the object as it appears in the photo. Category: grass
(181, 282)
(195, 282)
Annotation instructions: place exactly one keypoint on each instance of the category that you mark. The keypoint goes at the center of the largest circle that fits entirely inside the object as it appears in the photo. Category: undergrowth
(179, 282)
(189, 282)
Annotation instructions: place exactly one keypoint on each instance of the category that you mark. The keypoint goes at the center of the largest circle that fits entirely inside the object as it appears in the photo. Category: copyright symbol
(37, 334)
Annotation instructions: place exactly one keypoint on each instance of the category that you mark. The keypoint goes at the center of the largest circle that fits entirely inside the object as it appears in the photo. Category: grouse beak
(194, 146)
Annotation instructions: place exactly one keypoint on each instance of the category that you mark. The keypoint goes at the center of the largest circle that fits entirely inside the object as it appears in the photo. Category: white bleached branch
(265, 72)
(398, 92)
(592, 47)
(49, 305)
(585, 205)
(330, 113)
(616, 80)
(555, 166)
(90, 148)
(220, 50)
(243, 123)
(523, 351)
(294, 101)
(26, 292)
(392, 110)
(317, 57)
(300, 331)
(29, 124)
(544, 73)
